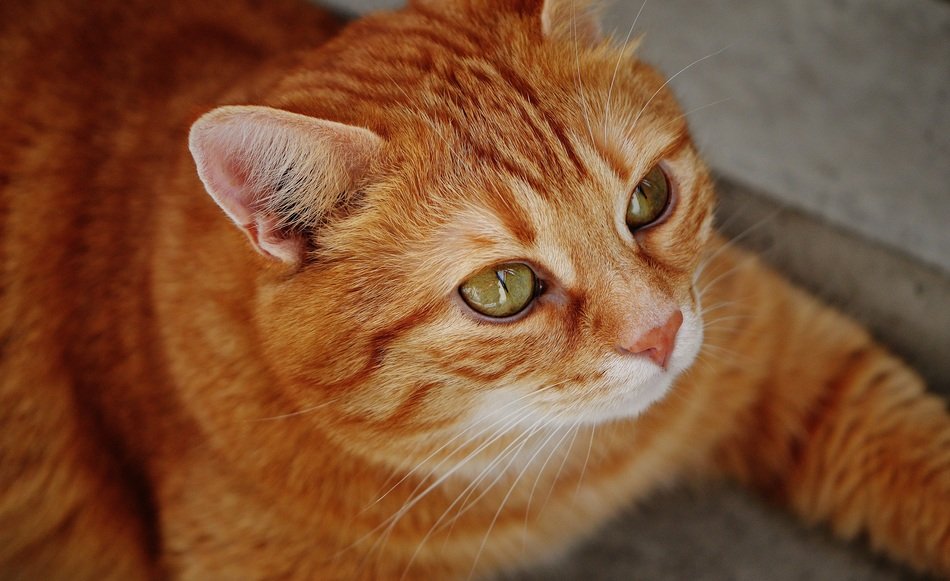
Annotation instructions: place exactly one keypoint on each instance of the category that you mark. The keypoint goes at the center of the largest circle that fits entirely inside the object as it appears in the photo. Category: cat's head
(469, 212)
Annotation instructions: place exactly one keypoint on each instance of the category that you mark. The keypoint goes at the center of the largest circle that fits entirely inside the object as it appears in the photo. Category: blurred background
(828, 125)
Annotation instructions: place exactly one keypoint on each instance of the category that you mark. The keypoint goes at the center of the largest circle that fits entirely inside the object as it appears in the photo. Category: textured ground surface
(715, 535)
(838, 107)
(834, 152)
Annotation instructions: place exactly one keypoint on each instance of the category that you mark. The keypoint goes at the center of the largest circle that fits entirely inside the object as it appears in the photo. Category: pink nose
(657, 343)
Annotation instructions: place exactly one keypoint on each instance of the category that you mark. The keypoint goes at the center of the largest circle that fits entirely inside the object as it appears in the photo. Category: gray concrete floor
(829, 125)
(904, 302)
(840, 108)
(717, 534)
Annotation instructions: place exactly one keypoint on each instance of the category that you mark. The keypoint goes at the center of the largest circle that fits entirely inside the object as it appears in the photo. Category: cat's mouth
(623, 386)
(633, 385)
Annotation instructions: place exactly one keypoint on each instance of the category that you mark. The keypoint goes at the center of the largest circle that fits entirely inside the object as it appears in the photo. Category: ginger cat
(450, 328)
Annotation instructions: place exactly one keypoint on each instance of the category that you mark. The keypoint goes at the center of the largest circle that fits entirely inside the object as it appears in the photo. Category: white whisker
(560, 468)
(669, 80)
(733, 241)
(460, 434)
(504, 500)
(623, 50)
(521, 441)
(731, 271)
(386, 527)
(577, 69)
(590, 445)
(537, 479)
(696, 110)
(539, 426)
(415, 497)
(725, 352)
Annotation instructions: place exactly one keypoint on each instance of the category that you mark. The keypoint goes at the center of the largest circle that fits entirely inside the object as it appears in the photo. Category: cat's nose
(657, 343)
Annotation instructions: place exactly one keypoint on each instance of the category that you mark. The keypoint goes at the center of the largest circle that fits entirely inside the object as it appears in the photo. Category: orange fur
(176, 405)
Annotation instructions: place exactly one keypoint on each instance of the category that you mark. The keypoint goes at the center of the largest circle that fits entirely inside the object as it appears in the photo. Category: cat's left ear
(278, 174)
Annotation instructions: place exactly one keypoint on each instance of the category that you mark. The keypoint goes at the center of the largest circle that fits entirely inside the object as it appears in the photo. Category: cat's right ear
(572, 20)
(576, 21)
(278, 174)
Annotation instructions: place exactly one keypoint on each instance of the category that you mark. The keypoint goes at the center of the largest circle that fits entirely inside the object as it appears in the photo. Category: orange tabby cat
(468, 334)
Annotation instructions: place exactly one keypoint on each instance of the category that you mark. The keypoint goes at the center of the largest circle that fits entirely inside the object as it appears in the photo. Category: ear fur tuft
(278, 174)
(565, 20)
(572, 20)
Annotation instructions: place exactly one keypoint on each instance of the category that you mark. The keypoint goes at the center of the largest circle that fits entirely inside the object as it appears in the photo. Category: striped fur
(174, 404)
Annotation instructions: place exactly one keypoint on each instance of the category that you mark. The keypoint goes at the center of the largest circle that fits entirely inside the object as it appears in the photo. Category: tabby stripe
(557, 129)
(484, 152)
(406, 35)
(473, 38)
(410, 405)
(575, 312)
(487, 157)
(472, 374)
(546, 161)
(827, 405)
(513, 216)
(513, 368)
(611, 156)
(379, 345)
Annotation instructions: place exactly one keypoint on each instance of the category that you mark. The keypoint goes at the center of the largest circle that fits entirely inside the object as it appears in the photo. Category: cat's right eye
(501, 291)
(648, 200)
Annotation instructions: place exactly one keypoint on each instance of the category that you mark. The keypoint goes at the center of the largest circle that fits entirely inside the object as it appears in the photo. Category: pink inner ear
(230, 186)
(263, 230)
(224, 150)
(242, 152)
(226, 177)
(267, 237)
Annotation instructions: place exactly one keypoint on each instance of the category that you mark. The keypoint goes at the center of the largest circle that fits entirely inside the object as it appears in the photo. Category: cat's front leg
(838, 429)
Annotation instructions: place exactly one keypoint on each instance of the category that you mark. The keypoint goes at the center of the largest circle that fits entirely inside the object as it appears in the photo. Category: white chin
(631, 403)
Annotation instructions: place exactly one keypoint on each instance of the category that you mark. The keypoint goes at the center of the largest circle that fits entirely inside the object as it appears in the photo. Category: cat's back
(83, 71)
(95, 102)
(95, 95)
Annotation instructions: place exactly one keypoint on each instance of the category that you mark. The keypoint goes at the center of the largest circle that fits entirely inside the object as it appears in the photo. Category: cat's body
(175, 404)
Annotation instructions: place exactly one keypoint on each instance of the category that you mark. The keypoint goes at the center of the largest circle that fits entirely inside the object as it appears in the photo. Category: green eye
(500, 291)
(648, 200)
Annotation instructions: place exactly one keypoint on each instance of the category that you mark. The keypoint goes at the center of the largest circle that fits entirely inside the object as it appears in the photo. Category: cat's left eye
(648, 200)
(501, 291)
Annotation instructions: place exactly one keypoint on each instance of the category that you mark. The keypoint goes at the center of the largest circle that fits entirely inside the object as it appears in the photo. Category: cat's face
(522, 249)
